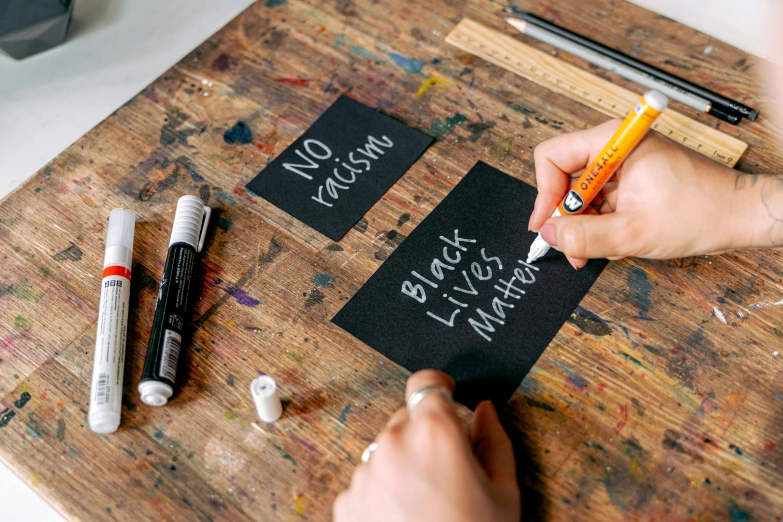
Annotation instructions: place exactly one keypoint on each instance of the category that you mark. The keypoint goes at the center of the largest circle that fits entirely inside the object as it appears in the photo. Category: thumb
(590, 236)
(491, 445)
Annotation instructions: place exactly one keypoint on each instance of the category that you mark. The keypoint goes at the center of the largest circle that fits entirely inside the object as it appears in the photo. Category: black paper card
(458, 296)
(336, 171)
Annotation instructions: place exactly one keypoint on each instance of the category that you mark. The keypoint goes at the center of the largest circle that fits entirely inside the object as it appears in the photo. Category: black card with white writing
(458, 296)
(339, 168)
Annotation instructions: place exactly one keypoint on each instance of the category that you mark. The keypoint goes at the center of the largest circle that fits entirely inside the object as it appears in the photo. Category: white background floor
(115, 48)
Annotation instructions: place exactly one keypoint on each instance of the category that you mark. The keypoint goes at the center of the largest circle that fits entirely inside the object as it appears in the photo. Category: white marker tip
(537, 249)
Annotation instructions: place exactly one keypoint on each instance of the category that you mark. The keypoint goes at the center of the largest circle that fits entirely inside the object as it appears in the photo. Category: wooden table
(645, 406)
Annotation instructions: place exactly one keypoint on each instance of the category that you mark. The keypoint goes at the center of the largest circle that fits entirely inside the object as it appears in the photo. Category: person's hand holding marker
(424, 467)
(588, 186)
(663, 202)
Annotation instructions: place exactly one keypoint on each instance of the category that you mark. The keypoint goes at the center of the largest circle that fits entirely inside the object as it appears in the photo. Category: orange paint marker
(592, 180)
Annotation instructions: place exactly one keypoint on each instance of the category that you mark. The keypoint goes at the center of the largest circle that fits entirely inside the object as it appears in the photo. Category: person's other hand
(664, 202)
(427, 469)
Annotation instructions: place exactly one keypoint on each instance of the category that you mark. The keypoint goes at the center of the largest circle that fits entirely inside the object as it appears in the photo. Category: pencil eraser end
(267, 401)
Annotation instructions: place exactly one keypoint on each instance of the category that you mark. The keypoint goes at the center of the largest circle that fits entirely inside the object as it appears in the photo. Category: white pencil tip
(516, 22)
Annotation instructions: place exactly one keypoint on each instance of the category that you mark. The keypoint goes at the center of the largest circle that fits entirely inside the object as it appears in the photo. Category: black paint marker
(172, 313)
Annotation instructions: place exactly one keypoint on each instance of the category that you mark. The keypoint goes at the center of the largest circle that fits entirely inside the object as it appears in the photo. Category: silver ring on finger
(417, 396)
(367, 453)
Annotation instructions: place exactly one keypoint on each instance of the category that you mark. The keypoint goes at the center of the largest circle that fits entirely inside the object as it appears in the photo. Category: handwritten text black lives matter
(339, 179)
(445, 302)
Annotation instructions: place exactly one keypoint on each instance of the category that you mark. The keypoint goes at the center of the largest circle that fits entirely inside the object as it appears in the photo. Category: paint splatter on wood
(429, 82)
(239, 133)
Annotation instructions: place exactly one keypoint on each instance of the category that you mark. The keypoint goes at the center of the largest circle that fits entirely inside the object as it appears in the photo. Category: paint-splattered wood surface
(661, 399)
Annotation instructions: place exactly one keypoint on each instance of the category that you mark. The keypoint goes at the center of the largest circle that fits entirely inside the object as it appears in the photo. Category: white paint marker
(264, 392)
(109, 365)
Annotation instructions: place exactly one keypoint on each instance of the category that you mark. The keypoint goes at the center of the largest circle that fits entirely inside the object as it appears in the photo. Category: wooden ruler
(584, 87)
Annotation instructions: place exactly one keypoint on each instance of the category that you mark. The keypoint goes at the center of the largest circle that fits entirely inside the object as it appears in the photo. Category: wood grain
(644, 406)
(582, 86)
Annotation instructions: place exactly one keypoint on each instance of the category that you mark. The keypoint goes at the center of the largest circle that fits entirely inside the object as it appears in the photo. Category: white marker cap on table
(119, 238)
(264, 392)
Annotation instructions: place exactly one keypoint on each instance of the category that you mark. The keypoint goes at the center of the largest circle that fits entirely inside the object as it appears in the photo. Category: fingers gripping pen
(597, 173)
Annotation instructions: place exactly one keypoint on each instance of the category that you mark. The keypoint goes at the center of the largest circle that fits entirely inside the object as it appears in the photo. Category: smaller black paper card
(458, 296)
(336, 171)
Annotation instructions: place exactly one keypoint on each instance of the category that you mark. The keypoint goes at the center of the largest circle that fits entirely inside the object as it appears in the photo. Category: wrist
(758, 209)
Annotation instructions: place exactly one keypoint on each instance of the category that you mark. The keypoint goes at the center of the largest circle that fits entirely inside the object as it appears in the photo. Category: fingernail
(529, 221)
(572, 263)
(548, 233)
(490, 407)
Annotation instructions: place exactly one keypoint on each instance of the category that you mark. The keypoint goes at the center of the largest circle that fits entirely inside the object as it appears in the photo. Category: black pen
(721, 105)
(172, 313)
(621, 69)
